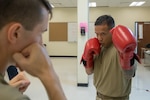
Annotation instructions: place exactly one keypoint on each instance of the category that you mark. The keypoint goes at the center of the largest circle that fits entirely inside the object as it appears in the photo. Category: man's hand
(35, 60)
(20, 82)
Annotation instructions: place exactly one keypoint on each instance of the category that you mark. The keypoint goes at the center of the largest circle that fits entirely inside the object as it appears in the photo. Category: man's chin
(102, 44)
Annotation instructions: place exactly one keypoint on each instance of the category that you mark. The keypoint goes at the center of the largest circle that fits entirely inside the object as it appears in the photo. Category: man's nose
(99, 38)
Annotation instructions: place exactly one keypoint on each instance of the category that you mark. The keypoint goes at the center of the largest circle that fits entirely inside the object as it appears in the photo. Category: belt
(108, 97)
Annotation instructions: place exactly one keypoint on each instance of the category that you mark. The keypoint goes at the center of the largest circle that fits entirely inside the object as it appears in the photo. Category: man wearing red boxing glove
(125, 43)
(113, 67)
(92, 48)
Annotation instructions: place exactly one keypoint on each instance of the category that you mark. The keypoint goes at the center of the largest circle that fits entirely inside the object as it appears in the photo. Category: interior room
(66, 53)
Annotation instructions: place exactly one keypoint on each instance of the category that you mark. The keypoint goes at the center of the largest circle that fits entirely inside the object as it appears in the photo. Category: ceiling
(100, 3)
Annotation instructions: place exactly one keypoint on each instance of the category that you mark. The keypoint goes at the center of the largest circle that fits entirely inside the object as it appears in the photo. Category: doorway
(142, 30)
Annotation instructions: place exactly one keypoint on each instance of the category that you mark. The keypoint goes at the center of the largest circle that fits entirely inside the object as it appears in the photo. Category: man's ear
(13, 32)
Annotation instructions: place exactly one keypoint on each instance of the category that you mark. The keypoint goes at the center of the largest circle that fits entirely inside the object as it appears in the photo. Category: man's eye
(103, 33)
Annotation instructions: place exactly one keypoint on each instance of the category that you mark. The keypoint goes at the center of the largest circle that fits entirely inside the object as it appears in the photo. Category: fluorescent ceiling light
(137, 3)
(140, 3)
(52, 6)
(92, 4)
(133, 4)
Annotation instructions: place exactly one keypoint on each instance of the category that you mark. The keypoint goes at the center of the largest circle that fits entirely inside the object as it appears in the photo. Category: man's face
(103, 35)
(24, 38)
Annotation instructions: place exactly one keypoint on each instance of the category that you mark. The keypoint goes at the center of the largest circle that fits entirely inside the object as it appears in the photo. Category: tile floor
(66, 69)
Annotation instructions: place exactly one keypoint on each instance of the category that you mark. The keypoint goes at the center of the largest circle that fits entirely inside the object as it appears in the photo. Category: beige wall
(125, 16)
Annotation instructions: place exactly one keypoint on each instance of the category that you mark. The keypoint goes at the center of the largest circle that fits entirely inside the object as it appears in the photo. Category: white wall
(61, 48)
(125, 16)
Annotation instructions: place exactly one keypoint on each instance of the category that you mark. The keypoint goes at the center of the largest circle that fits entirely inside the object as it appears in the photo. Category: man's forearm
(89, 71)
(131, 72)
(53, 87)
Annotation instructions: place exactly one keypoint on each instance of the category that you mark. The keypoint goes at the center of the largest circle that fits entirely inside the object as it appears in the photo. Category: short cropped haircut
(105, 19)
(26, 12)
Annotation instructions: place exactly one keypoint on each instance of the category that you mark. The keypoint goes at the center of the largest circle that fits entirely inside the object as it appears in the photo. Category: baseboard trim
(62, 56)
(82, 84)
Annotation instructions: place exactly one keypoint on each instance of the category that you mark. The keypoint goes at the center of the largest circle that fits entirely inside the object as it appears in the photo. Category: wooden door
(144, 37)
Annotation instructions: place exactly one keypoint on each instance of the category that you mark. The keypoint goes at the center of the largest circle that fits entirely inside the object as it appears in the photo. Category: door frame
(137, 36)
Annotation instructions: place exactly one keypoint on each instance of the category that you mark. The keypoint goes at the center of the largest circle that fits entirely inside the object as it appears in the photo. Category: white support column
(83, 14)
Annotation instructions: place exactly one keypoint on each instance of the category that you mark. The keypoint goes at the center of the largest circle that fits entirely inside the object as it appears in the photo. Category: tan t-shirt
(109, 79)
(9, 93)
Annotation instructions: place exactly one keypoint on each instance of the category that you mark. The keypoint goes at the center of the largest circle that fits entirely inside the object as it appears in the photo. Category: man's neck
(3, 63)
(108, 46)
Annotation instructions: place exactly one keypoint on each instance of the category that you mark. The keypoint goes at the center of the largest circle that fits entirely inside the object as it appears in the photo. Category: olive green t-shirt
(109, 79)
(10, 93)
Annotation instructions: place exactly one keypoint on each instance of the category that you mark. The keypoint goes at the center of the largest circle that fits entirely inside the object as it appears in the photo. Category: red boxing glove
(125, 43)
(92, 47)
